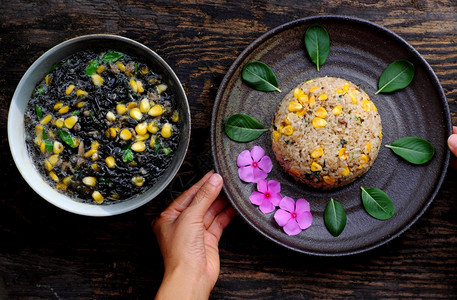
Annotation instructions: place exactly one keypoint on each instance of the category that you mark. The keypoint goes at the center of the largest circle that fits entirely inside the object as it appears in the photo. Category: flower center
(267, 195)
(294, 215)
(254, 164)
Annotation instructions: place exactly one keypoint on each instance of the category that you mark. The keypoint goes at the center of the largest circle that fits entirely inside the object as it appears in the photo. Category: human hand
(188, 233)
(452, 141)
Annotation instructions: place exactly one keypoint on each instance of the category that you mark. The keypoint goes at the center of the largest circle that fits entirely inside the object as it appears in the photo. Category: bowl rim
(34, 179)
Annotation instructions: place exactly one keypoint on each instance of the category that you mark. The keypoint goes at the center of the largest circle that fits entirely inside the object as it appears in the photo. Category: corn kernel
(328, 179)
(313, 89)
(303, 99)
(302, 112)
(136, 114)
(110, 116)
(54, 176)
(47, 79)
(152, 143)
(47, 165)
(298, 93)
(144, 105)
(345, 171)
(125, 134)
(70, 121)
(144, 71)
(166, 130)
(95, 167)
(45, 120)
(367, 147)
(141, 138)
(80, 93)
(132, 105)
(121, 66)
(38, 140)
(318, 152)
(138, 147)
(80, 104)
(97, 79)
(110, 162)
(374, 107)
(161, 88)
(363, 159)
(323, 97)
(175, 117)
(366, 105)
(39, 130)
(90, 153)
(321, 112)
(318, 122)
(58, 105)
(64, 110)
(54, 159)
(316, 167)
(101, 69)
(342, 154)
(111, 133)
(121, 109)
(295, 172)
(69, 89)
(287, 121)
(312, 101)
(138, 181)
(337, 110)
(97, 196)
(156, 110)
(43, 147)
(288, 130)
(380, 134)
(276, 135)
(60, 122)
(339, 91)
(152, 127)
(353, 99)
(141, 128)
(294, 106)
(75, 142)
(61, 186)
(67, 179)
(57, 147)
(90, 181)
(346, 87)
(139, 85)
(133, 85)
(94, 145)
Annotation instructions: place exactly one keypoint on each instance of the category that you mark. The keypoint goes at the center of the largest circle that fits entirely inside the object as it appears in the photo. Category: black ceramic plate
(359, 52)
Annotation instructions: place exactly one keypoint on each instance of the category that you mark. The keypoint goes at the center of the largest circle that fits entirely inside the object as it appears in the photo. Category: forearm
(179, 284)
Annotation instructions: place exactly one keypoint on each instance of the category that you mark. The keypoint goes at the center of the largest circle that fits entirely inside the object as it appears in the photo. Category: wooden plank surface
(46, 253)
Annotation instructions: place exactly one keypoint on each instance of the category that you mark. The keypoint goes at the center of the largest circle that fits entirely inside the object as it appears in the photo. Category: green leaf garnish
(112, 56)
(128, 155)
(136, 67)
(260, 77)
(39, 112)
(335, 217)
(243, 128)
(66, 137)
(396, 76)
(166, 150)
(40, 90)
(48, 145)
(52, 68)
(92, 67)
(377, 203)
(413, 149)
(317, 43)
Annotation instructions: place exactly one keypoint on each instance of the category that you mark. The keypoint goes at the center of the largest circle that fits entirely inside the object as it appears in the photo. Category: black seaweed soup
(102, 126)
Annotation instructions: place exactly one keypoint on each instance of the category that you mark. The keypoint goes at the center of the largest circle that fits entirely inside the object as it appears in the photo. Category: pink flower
(293, 216)
(253, 165)
(268, 196)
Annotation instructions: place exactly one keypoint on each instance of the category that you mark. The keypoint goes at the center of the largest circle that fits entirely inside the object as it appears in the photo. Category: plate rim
(428, 69)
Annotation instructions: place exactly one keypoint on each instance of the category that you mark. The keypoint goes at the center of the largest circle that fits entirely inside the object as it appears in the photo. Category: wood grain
(46, 253)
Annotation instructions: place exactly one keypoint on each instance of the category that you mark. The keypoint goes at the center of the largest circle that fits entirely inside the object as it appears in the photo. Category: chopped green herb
(166, 150)
(48, 145)
(40, 90)
(66, 137)
(317, 175)
(52, 68)
(112, 56)
(76, 112)
(136, 67)
(128, 155)
(92, 67)
(359, 120)
(39, 112)
(341, 96)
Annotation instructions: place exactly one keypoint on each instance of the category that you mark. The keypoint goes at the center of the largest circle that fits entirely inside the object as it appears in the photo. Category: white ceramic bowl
(16, 131)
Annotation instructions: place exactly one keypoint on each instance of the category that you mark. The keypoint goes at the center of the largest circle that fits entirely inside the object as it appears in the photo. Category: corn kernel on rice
(352, 129)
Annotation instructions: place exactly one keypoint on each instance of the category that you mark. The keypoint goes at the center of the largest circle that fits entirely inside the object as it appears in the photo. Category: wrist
(182, 283)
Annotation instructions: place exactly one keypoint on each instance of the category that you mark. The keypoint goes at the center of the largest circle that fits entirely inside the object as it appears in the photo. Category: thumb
(207, 194)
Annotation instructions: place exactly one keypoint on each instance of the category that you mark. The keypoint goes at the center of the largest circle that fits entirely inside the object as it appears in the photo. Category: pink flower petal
(275, 198)
(244, 159)
(301, 206)
(262, 185)
(292, 228)
(246, 174)
(282, 217)
(257, 153)
(257, 198)
(258, 174)
(304, 219)
(287, 203)
(266, 207)
(274, 186)
(265, 164)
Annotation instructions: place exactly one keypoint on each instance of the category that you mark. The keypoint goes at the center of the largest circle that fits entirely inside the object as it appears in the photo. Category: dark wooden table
(48, 253)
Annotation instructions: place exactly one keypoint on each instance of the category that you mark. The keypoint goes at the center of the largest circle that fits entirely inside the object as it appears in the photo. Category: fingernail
(215, 179)
(452, 142)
